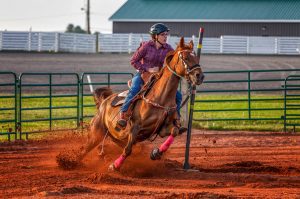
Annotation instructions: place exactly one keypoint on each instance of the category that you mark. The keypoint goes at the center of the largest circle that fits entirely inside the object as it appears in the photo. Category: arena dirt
(224, 165)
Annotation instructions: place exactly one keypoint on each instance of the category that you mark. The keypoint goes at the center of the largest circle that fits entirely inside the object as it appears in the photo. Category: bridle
(188, 69)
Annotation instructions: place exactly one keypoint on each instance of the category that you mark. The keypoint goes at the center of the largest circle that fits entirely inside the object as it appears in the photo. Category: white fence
(120, 42)
(128, 43)
(47, 41)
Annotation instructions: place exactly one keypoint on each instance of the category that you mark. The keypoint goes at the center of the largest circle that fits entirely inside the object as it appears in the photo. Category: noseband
(188, 69)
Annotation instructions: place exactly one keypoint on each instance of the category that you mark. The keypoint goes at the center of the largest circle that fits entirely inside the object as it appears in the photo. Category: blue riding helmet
(158, 28)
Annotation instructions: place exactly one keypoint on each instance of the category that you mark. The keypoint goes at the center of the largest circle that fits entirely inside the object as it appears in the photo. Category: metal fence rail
(43, 94)
(250, 83)
(128, 43)
(90, 79)
(48, 98)
(8, 104)
(36, 98)
(291, 102)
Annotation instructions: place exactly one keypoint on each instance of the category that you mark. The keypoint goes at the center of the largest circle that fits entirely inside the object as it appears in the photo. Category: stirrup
(122, 121)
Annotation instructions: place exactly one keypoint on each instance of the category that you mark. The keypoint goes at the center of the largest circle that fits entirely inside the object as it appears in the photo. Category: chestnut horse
(155, 111)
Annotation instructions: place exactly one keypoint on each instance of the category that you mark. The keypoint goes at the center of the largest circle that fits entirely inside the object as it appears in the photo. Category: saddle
(119, 99)
(149, 78)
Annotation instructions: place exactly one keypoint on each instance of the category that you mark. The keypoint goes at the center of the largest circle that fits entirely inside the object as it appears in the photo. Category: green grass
(251, 125)
(256, 125)
(44, 113)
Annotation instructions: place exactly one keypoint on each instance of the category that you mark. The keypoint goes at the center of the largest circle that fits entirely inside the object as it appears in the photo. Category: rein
(166, 108)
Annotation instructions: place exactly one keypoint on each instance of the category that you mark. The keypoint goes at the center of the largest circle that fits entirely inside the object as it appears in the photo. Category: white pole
(90, 83)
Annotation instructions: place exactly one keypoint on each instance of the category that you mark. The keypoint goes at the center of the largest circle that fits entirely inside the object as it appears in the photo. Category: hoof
(182, 130)
(155, 154)
(112, 168)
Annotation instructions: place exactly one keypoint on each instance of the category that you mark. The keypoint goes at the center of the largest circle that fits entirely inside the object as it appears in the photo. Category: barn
(218, 17)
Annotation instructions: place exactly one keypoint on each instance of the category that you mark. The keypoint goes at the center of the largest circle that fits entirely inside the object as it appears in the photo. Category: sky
(55, 15)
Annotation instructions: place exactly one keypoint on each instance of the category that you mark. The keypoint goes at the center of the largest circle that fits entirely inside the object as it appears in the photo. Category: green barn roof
(209, 10)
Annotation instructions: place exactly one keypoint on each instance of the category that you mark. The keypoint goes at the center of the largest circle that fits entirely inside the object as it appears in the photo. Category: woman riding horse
(149, 58)
(154, 112)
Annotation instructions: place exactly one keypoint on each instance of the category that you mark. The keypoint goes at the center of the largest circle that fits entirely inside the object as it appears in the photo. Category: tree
(78, 29)
(70, 28)
(74, 29)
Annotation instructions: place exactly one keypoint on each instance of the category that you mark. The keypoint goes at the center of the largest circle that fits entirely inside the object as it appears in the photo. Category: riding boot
(122, 121)
(181, 128)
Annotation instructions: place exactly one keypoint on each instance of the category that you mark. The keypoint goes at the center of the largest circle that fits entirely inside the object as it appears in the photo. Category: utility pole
(88, 27)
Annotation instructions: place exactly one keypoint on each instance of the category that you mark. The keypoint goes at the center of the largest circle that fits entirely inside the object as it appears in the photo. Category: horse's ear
(191, 44)
(181, 43)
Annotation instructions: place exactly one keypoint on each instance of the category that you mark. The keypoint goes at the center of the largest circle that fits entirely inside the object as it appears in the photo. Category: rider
(149, 57)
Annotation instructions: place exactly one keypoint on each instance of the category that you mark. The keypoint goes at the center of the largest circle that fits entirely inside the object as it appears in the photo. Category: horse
(154, 112)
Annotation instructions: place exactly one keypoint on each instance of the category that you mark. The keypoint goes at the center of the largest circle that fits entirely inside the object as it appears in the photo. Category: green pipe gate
(47, 88)
(291, 102)
(40, 102)
(45, 99)
(106, 79)
(8, 104)
(250, 84)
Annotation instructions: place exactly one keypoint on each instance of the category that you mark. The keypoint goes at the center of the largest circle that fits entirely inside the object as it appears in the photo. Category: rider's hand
(154, 69)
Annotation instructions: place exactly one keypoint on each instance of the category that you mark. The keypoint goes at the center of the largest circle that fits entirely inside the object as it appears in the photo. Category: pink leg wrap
(118, 162)
(166, 144)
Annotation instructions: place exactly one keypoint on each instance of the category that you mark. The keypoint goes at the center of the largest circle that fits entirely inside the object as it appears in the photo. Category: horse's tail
(100, 94)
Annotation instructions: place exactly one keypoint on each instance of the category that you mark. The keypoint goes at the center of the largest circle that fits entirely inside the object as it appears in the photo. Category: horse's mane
(180, 46)
(169, 56)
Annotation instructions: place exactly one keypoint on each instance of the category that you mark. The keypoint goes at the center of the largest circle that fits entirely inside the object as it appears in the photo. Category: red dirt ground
(226, 165)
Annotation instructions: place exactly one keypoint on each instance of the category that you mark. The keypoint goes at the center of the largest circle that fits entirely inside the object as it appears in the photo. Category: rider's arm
(136, 59)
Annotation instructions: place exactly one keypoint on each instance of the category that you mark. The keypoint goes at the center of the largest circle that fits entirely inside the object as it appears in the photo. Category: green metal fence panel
(292, 102)
(8, 104)
(247, 88)
(43, 105)
(115, 80)
(43, 99)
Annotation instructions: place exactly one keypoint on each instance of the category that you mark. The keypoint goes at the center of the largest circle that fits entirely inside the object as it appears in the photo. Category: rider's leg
(178, 101)
(136, 86)
(178, 123)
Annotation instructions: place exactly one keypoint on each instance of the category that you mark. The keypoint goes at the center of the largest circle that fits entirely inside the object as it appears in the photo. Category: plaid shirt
(147, 56)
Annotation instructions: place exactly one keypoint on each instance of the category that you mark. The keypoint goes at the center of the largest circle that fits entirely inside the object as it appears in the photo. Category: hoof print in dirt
(99, 178)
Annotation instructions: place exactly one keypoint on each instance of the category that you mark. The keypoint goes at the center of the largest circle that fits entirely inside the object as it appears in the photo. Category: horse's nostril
(202, 77)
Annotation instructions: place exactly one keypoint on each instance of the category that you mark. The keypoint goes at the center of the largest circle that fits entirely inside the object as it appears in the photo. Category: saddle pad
(119, 99)
(123, 94)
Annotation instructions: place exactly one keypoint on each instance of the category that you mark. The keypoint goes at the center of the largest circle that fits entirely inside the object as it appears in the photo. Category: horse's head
(183, 62)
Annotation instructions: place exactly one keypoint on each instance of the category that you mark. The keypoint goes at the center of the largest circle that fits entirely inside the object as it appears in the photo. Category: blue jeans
(136, 85)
